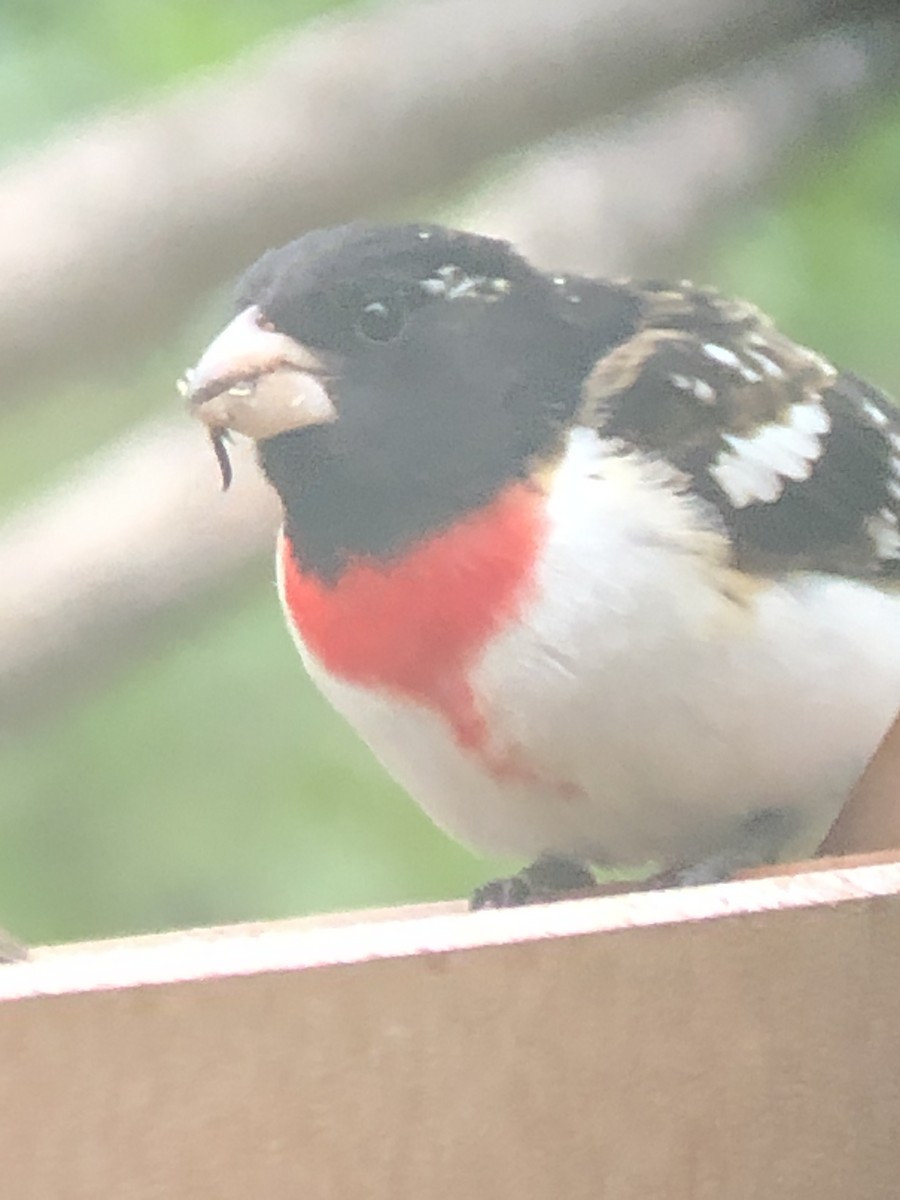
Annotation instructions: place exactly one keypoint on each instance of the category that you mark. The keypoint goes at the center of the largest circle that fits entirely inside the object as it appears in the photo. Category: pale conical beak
(256, 381)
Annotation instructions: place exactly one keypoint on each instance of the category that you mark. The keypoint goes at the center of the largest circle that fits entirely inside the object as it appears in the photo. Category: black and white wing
(800, 459)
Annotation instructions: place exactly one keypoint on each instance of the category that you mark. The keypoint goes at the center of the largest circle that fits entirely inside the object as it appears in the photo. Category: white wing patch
(876, 415)
(754, 469)
(699, 388)
(882, 529)
(893, 484)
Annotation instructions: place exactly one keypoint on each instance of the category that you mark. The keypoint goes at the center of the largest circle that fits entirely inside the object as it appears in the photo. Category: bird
(603, 571)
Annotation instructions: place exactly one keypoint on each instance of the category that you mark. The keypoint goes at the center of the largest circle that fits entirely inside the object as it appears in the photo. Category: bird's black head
(396, 377)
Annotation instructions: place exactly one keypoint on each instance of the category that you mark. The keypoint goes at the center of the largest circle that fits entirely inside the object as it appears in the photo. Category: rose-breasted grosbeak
(600, 570)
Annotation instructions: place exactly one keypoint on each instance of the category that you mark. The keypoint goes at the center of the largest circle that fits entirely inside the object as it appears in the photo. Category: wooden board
(720, 1043)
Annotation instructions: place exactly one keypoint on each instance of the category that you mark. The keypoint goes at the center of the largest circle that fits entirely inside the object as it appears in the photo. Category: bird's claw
(548, 878)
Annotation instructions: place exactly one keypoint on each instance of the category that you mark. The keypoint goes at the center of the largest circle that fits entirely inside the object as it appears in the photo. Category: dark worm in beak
(217, 436)
(219, 439)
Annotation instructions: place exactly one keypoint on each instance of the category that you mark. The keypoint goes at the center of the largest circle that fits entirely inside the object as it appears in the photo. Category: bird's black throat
(332, 515)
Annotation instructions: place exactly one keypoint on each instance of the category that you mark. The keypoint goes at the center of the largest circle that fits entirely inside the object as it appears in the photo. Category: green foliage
(824, 256)
(60, 61)
(207, 781)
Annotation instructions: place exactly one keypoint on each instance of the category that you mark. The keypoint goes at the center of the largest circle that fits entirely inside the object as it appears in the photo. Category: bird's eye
(381, 321)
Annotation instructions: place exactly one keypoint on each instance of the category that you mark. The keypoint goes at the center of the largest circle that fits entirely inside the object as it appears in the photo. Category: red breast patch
(415, 623)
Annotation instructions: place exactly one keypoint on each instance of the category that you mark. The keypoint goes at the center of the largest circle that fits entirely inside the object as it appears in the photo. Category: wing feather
(800, 459)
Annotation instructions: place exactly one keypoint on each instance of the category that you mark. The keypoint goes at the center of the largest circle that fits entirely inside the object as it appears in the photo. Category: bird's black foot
(549, 878)
(717, 868)
(761, 840)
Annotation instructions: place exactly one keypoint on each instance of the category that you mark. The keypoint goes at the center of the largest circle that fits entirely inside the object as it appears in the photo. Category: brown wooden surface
(720, 1043)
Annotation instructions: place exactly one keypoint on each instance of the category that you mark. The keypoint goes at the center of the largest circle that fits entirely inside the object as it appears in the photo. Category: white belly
(670, 712)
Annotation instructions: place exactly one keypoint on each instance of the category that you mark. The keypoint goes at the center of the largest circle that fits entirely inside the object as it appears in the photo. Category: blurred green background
(207, 782)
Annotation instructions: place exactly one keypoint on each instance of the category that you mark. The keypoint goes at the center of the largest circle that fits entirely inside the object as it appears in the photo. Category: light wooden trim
(718, 1043)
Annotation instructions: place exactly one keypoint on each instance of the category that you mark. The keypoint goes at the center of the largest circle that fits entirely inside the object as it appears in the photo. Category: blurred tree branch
(141, 530)
(110, 234)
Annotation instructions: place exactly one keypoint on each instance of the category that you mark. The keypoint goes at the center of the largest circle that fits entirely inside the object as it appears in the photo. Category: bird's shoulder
(799, 460)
